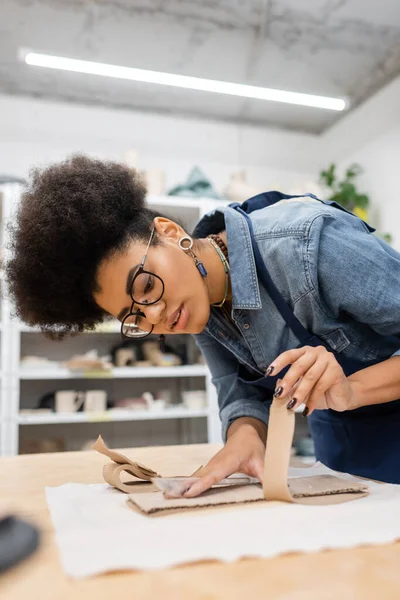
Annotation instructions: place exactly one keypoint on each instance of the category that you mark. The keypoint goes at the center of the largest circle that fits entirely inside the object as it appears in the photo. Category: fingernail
(278, 391)
(269, 370)
(291, 404)
(305, 411)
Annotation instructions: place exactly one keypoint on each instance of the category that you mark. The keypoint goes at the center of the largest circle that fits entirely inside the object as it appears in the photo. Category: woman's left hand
(315, 378)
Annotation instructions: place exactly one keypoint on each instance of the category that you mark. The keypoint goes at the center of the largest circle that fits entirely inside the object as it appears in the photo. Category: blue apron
(364, 441)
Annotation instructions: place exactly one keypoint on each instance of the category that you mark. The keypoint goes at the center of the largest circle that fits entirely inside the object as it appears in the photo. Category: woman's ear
(167, 229)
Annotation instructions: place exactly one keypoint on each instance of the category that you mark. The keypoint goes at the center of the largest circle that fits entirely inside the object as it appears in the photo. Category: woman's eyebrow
(122, 313)
(129, 280)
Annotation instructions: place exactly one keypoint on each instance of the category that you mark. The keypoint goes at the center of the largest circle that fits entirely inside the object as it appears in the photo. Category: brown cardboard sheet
(315, 489)
(319, 489)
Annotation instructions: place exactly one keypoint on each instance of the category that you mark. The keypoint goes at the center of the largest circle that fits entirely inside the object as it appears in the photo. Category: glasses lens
(136, 326)
(147, 289)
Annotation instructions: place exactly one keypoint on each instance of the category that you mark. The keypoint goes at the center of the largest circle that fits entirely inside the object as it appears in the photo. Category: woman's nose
(154, 312)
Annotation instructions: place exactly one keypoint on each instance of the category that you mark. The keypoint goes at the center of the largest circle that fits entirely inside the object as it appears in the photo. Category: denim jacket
(341, 281)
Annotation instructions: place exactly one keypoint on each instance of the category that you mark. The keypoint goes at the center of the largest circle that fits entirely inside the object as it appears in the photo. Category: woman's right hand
(243, 453)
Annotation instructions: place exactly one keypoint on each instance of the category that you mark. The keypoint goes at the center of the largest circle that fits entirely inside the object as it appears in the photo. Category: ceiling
(326, 47)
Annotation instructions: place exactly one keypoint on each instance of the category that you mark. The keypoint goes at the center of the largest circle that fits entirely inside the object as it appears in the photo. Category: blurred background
(104, 77)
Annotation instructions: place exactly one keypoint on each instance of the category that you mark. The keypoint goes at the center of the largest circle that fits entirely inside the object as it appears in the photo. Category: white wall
(37, 132)
(381, 162)
(370, 136)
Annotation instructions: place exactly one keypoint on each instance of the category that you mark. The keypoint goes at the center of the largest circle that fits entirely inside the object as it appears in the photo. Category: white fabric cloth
(96, 531)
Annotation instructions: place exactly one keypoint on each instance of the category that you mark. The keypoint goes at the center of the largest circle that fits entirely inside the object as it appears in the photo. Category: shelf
(116, 373)
(185, 202)
(22, 328)
(111, 416)
(106, 327)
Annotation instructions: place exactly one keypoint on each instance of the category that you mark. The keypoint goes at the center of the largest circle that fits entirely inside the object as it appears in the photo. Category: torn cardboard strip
(112, 471)
(138, 470)
(122, 464)
(276, 466)
(112, 475)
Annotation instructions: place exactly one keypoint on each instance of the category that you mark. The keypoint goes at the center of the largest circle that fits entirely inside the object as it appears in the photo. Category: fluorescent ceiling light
(182, 81)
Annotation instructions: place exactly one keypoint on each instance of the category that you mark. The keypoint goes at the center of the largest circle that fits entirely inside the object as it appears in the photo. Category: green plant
(345, 192)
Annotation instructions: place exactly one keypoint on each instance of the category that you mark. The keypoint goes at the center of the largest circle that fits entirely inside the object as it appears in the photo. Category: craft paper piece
(96, 531)
(112, 475)
(112, 471)
(281, 426)
(138, 470)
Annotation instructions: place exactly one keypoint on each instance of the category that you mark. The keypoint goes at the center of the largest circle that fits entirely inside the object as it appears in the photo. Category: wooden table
(362, 573)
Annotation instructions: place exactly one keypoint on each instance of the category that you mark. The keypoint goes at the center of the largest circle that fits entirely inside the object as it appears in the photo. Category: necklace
(222, 251)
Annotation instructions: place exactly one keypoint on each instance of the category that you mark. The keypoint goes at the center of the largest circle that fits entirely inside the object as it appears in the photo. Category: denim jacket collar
(241, 259)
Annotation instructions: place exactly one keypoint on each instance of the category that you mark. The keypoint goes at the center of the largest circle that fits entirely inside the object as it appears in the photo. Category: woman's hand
(315, 378)
(243, 452)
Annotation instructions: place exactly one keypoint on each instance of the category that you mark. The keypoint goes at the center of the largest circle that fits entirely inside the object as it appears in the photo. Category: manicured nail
(306, 411)
(291, 404)
(278, 391)
(269, 370)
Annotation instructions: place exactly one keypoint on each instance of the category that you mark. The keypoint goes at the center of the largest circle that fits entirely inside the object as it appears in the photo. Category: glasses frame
(139, 313)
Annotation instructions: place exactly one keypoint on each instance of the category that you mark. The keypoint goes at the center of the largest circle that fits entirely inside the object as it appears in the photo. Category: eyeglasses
(146, 289)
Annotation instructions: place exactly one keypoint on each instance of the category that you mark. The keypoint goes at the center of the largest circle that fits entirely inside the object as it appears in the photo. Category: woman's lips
(171, 320)
(183, 319)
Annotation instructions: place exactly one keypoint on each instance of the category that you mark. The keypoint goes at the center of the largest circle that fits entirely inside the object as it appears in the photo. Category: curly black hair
(72, 215)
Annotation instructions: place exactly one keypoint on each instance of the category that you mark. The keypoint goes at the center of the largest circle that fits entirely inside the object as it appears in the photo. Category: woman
(290, 297)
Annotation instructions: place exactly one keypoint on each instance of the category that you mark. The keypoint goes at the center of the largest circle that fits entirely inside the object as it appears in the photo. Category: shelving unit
(21, 386)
